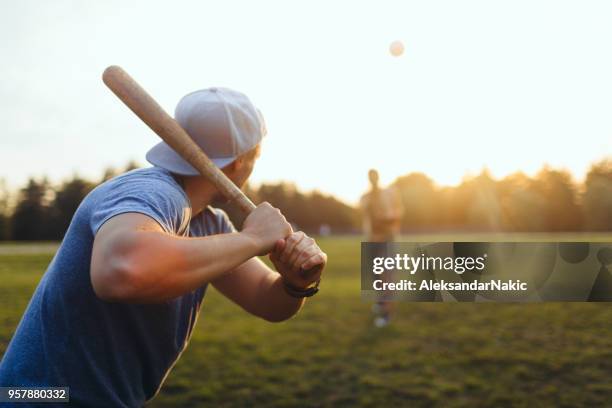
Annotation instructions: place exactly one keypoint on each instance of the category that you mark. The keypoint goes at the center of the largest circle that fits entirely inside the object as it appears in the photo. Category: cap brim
(162, 155)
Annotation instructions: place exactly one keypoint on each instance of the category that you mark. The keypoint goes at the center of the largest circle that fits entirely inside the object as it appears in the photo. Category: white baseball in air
(396, 48)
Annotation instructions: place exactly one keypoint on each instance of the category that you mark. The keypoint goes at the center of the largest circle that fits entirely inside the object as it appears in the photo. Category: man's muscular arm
(134, 260)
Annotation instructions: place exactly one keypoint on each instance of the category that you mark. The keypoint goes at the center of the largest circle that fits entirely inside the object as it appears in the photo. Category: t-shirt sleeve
(156, 199)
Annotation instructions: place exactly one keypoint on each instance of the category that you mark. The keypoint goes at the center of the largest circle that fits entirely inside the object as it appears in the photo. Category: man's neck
(199, 191)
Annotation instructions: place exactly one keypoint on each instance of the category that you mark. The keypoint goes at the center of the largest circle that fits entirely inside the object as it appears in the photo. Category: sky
(500, 85)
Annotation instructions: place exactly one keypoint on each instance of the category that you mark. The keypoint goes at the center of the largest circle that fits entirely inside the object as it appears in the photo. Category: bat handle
(244, 203)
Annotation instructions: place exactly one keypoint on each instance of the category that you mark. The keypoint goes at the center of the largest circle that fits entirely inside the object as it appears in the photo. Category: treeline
(43, 211)
(551, 201)
(312, 212)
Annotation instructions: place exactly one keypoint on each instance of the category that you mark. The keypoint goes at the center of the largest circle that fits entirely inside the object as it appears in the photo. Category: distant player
(382, 213)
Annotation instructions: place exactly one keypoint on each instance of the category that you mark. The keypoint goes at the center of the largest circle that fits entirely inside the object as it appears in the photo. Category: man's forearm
(274, 302)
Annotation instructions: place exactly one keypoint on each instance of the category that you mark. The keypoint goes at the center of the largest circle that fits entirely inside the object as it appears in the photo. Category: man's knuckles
(295, 238)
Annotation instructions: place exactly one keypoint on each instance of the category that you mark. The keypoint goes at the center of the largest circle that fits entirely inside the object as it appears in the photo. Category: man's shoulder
(149, 191)
(143, 181)
(151, 186)
(146, 174)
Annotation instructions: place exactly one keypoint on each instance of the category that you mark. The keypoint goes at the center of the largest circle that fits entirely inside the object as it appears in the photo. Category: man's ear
(238, 163)
(233, 166)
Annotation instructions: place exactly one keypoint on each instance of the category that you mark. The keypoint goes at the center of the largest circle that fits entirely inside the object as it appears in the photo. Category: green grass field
(438, 354)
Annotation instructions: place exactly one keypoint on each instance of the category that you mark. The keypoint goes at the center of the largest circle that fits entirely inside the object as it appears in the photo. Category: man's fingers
(300, 257)
(279, 246)
(305, 246)
(291, 243)
(318, 259)
(307, 253)
(313, 274)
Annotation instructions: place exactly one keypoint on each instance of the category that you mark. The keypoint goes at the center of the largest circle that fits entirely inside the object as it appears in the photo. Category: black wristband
(300, 293)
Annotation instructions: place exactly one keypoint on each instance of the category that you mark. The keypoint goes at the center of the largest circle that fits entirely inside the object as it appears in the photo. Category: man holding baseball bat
(119, 301)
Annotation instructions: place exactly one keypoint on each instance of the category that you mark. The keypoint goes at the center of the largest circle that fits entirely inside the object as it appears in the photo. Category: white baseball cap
(223, 122)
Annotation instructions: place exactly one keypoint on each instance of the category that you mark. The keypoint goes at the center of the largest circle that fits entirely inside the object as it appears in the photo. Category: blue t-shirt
(109, 354)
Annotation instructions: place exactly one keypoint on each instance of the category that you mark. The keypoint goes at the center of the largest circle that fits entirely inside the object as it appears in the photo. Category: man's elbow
(118, 280)
(278, 316)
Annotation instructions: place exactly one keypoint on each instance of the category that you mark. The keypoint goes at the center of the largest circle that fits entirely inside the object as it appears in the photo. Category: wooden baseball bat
(149, 111)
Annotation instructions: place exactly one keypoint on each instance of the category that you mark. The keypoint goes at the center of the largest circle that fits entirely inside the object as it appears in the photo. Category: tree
(327, 210)
(598, 197)
(483, 212)
(4, 211)
(523, 207)
(132, 165)
(420, 199)
(31, 217)
(108, 174)
(68, 196)
(306, 211)
(562, 212)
